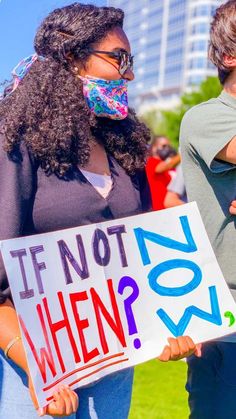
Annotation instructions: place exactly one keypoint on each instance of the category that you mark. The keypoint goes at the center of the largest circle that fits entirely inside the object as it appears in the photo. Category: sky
(19, 20)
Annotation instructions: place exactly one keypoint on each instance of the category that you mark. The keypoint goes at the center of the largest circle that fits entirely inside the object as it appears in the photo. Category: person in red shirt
(163, 159)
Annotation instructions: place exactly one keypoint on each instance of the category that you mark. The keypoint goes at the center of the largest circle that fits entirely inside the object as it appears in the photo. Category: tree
(167, 122)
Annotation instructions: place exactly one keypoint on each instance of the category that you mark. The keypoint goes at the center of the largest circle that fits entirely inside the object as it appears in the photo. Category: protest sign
(96, 299)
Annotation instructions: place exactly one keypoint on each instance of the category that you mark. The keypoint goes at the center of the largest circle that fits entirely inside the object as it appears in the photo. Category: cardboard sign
(96, 299)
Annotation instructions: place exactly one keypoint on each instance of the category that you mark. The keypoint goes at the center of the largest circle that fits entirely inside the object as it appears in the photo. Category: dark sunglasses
(125, 60)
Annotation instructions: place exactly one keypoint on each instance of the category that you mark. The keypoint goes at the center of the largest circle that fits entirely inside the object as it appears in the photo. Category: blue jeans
(212, 382)
(109, 398)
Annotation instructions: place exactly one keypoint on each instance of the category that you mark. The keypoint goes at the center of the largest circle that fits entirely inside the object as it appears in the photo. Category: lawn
(159, 391)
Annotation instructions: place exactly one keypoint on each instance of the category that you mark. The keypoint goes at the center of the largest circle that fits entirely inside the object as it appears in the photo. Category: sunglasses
(124, 58)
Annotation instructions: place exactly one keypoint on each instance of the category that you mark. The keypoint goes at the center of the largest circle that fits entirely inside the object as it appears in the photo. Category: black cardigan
(32, 203)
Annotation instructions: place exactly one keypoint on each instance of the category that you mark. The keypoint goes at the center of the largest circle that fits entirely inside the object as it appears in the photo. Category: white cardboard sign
(96, 299)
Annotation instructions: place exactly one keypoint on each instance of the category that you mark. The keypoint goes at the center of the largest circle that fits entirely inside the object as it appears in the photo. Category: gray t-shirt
(205, 130)
(177, 184)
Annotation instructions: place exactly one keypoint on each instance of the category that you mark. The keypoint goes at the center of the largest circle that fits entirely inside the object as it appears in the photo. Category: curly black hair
(48, 110)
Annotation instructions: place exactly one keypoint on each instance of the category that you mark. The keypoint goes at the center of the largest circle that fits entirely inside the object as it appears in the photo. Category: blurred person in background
(160, 169)
(176, 192)
(208, 151)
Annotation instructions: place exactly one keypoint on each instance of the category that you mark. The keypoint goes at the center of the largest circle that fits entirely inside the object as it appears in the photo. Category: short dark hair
(222, 37)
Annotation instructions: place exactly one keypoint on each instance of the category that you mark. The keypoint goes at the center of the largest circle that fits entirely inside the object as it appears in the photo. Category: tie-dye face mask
(106, 98)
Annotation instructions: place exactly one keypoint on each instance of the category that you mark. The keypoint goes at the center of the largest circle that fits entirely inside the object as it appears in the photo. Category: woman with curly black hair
(72, 154)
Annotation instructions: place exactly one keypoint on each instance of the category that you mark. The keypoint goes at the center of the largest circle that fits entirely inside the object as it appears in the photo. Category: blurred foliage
(167, 122)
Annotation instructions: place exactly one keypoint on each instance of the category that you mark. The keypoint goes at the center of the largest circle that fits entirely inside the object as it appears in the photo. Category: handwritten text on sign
(96, 299)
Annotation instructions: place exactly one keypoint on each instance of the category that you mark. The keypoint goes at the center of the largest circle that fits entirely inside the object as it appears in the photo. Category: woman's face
(104, 66)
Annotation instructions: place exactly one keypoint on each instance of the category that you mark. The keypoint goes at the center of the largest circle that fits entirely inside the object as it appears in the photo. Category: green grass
(159, 391)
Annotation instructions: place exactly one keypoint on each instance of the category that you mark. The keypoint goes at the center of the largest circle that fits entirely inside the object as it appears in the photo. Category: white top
(102, 183)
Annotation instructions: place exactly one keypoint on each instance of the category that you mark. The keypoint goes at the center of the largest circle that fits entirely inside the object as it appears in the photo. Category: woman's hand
(178, 348)
(232, 208)
(65, 402)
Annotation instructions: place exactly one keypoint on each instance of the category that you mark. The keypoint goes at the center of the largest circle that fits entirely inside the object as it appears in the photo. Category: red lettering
(55, 327)
(115, 323)
(82, 324)
(45, 354)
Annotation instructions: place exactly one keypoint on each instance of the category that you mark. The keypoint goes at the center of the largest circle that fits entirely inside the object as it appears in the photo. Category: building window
(175, 53)
(201, 45)
(177, 3)
(174, 69)
(155, 30)
(173, 80)
(198, 63)
(177, 20)
(202, 10)
(156, 42)
(157, 13)
(201, 27)
(176, 36)
(151, 73)
(154, 59)
(151, 81)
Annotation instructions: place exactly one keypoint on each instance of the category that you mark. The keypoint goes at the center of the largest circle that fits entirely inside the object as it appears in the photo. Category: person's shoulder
(201, 112)
(204, 117)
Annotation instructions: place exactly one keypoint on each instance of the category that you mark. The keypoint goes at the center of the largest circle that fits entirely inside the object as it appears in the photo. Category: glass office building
(169, 39)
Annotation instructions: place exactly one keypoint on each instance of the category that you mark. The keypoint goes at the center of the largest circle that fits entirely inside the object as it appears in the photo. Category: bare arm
(172, 200)
(228, 153)
(168, 164)
(9, 329)
(65, 400)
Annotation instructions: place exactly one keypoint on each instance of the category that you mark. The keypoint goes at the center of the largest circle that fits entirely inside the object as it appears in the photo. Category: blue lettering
(142, 235)
(174, 264)
(179, 329)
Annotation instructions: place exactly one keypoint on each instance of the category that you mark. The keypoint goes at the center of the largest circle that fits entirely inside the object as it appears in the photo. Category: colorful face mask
(106, 98)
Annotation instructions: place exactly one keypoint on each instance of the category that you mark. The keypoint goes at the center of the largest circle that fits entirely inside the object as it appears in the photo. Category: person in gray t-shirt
(176, 191)
(208, 150)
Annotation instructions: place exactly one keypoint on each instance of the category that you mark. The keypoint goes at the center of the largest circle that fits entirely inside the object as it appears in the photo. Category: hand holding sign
(65, 401)
(122, 289)
(179, 348)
